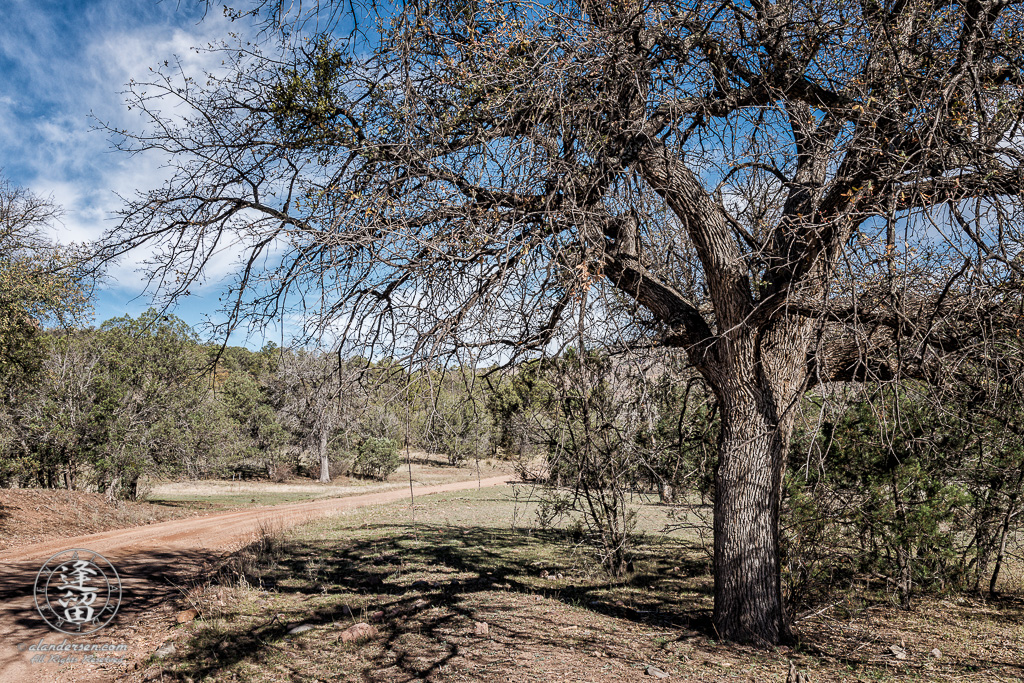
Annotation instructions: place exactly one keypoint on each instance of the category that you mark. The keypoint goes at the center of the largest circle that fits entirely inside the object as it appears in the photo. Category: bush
(377, 458)
(896, 492)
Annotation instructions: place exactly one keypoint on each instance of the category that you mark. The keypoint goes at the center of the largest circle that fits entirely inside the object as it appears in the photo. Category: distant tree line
(110, 408)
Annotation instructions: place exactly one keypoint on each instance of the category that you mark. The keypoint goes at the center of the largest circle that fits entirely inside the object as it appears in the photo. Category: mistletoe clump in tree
(794, 192)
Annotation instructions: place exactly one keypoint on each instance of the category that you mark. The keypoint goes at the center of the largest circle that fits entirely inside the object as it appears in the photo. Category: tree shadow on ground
(405, 571)
(424, 585)
(439, 461)
(496, 559)
(146, 582)
(182, 504)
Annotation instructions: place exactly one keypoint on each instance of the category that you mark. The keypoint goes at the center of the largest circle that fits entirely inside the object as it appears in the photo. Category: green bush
(377, 458)
(892, 494)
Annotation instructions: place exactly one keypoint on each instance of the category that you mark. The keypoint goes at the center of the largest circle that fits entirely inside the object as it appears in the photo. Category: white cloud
(67, 71)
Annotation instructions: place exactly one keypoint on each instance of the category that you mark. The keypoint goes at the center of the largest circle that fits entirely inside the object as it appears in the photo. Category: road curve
(139, 554)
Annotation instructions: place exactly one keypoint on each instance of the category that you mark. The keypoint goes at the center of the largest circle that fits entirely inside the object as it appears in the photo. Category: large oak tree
(793, 192)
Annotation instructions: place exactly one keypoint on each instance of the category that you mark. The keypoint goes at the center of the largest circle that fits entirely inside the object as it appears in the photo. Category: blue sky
(64, 62)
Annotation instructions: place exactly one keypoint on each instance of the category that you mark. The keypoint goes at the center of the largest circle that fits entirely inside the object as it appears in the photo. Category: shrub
(377, 458)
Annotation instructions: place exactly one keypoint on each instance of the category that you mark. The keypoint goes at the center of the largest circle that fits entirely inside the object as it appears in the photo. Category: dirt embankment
(31, 515)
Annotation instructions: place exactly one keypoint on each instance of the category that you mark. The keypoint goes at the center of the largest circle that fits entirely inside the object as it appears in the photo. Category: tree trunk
(662, 494)
(111, 488)
(325, 465)
(984, 538)
(759, 383)
(1004, 533)
(748, 486)
(904, 553)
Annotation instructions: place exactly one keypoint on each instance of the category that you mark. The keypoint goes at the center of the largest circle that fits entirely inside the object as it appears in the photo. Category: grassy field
(429, 578)
(220, 494)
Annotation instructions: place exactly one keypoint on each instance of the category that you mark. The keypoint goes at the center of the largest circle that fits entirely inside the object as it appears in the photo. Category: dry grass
(427, 469)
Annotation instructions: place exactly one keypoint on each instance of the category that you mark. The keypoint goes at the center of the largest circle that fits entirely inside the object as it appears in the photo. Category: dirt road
(144, 556)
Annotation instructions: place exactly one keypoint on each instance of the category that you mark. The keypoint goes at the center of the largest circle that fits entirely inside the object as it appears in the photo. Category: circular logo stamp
(77, 591)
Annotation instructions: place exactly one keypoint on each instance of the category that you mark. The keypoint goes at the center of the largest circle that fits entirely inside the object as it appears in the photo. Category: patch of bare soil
(35, 515)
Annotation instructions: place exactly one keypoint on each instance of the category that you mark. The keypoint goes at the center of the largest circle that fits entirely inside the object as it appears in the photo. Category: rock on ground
(165, 650)
(360, 631)
(186, 615)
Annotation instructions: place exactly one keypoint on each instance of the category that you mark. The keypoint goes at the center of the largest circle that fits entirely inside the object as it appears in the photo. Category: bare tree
(55, 415)
(318, 395)
(794, 192)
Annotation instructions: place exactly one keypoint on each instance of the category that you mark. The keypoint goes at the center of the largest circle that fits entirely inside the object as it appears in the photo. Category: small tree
(317, 396)
(458, 423)
(603, 429)
(40, 281)
(56, 417)
(896, 483)
(151, 391)
(377, 458)
(516, 400)
(247, 400)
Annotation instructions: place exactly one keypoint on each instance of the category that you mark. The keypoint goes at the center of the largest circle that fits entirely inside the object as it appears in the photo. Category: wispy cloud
(63, 67)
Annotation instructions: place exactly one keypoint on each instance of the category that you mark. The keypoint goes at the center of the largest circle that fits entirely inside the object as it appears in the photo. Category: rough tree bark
(758, 381)
(748, 479)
